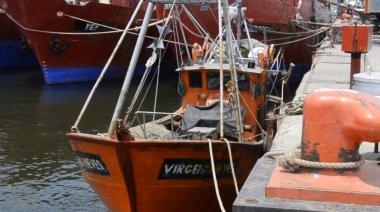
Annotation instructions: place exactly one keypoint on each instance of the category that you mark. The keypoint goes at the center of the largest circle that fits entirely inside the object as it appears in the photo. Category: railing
(149, 113)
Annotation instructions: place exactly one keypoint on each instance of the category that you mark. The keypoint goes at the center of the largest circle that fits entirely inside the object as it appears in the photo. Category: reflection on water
(38, 170)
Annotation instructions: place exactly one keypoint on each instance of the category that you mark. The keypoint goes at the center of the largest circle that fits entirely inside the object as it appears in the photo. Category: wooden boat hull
(145, 175)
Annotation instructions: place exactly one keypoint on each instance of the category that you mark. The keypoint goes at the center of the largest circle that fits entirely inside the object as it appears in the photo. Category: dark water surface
(38, 170)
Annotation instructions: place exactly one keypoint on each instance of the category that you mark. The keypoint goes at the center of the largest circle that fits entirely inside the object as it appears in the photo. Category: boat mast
(238, 23)
(231, 54)
(131, 69)
(221, 77)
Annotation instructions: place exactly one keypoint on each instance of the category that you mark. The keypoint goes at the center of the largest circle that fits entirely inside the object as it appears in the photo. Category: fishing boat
(192, 159)
(14, 50)
(73, 39)
(286, 24)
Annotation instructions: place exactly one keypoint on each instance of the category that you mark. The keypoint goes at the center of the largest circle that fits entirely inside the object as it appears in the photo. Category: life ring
(56, 46)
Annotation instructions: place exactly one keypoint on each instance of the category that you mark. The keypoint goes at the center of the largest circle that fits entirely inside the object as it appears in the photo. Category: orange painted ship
(181, 161)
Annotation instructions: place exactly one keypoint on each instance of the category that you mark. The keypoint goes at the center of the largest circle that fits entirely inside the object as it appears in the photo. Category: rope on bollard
(292, 161)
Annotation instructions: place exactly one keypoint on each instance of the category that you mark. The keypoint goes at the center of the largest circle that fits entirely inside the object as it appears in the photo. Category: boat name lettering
(92, 163)
(81, 26)
(194, 169)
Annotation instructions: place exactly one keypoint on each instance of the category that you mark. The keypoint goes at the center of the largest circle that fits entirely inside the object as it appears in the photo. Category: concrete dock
(330, 70)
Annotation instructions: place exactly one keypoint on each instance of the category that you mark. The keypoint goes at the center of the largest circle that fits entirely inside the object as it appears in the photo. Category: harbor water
(38, 170)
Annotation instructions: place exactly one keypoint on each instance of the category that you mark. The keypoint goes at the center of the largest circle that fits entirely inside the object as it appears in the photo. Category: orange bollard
(335, 123)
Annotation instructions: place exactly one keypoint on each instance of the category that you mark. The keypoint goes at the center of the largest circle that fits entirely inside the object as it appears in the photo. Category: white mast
(231, 54)
(221, 77)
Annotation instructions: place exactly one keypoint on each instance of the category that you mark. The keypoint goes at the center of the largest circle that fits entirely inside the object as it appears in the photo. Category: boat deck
(330, 70)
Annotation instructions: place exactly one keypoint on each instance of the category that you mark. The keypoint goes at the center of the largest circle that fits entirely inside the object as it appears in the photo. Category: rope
(292, 161)
(301, 39)
(232, 165)
(60, 14)
(96, 33)
(253, 116)
(216, 186)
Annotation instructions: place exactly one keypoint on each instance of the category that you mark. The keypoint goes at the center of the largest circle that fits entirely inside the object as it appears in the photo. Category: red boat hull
(273, 14)
(69, 58)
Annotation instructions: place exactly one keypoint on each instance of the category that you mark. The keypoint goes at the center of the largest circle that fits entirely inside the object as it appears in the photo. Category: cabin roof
(216, 66)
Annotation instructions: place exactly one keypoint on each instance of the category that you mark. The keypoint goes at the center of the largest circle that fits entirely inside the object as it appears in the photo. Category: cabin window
(243, 81)
(213, 81)
(195, 79)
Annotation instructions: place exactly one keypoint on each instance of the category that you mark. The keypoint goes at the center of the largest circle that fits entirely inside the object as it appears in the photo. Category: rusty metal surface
(354, 187)
(252, 195)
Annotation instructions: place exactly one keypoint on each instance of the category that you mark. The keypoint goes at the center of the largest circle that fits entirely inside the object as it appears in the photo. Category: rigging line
(137, 93)
(88, 33)
(157, 84)
(307, 37)
(145, 95)
(310, 22)
(60, 14)
(176, 46)
(283, 38)
(183, 34)
(212, 13)
(112, 28)
(253, 115)
(105, 68)
(216, 186)
(196, 22)
(193, 33)
(285, 33)
(139, 88)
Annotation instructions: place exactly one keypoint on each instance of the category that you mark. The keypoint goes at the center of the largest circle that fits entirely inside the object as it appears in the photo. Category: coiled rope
(292, 161)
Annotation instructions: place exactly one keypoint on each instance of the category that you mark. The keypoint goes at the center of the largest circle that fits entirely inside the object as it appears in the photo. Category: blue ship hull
(13, 55)
(82, 74)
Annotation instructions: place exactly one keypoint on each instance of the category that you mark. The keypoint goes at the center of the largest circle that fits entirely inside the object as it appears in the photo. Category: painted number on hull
(194, 169)
(92, 163)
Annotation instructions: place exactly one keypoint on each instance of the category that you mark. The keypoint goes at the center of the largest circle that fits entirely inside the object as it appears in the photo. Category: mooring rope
(216, 186)
(232, 165)
(301, 39)
(116, 31)
(292, 161)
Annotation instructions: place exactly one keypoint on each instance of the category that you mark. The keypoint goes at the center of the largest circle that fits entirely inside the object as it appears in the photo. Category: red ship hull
(274, 15)
(70, 58)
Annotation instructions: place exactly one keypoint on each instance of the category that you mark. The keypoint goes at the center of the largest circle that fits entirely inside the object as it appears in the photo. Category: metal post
(131, 69)
(355, 57)
(238, 22)
(234, 79)
(221, 77)
(355, 66)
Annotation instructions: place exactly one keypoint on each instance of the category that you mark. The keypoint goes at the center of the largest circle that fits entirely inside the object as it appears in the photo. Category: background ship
(270, 21)
(73, 57)
(14, 51)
